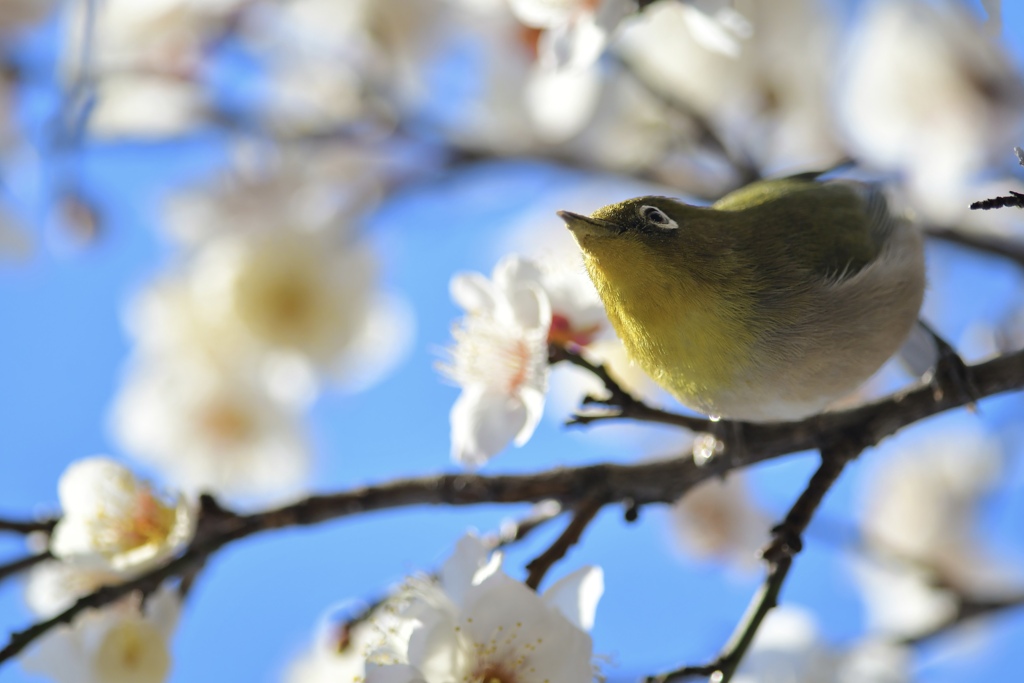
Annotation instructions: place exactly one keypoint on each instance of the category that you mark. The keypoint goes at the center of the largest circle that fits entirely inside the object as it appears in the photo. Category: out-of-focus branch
(786, 543)
(990, 244)
(967, 608)
(582, 517)
(650, 482)
(20, 565)
(19, 526)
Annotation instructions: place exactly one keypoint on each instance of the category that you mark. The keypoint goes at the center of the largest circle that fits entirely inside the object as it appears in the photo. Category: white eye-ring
(656, 216)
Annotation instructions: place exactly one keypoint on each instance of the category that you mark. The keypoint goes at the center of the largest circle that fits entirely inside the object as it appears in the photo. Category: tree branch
(786, 543)
(540, 565)
(967, 608)
(27, 527)
(20, 565)
(650, 482)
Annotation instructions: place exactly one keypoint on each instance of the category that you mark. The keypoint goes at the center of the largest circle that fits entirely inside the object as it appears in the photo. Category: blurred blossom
(319, 54)
(500, 359)
(210, 429)
(718, 518)
(157, 36)
(575, 32)
(299, 187)
(20, 14)
(717, 26)
(122, 643)
(901, 599)
(875, 661)
(788, 648)
(929, 93)
(478, 624)
(290, 292)
(627, 128)
(561, 102)
(145, 106)
(341, 649)
(768, 97)
(113, 520)
(311, 95)
(921, 503)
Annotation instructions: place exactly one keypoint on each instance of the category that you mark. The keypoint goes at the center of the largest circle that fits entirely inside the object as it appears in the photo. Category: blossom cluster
(114, 527)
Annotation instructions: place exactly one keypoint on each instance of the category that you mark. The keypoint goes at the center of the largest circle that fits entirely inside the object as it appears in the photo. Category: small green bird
(770, 304)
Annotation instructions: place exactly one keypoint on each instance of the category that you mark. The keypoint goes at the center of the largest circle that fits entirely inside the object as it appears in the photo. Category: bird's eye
(656, 216)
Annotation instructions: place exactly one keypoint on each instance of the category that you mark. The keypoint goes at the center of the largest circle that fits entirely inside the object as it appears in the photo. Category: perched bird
(770, 304)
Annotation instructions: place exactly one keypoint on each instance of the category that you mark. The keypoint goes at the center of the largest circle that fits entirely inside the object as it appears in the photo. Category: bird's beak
(585, 226)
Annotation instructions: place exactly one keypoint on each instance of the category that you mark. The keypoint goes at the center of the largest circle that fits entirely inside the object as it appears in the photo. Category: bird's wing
(832, 229)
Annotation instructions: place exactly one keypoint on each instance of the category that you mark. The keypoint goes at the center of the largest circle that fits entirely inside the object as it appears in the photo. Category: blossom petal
(533, 401)
(576, 596)
(483, 422)
(514, 271)
(473, 292)
(458, 571)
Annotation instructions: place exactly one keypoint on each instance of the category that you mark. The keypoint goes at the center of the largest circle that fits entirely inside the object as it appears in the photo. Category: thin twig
(786, 543)
(540, 565)
(625, 404)
(649, 482)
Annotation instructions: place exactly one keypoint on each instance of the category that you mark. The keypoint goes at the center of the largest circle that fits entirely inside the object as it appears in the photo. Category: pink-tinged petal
(473, 292)
(483, 422)
(576, 596)
(533, 401)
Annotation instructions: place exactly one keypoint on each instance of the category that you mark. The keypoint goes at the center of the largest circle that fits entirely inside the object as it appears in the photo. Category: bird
(769, 305)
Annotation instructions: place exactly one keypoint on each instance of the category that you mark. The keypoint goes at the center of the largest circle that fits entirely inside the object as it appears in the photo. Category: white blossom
(768, 100)
(499, 359)
(788, 648)
(900, 599)
(929, 93)
(111, 519)
(342, 646)
(51, 587)
(118, 644)
(718, 518)
(210, 429)
(478, 624)
(145, 106)
(287, 291)
(921, 504)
